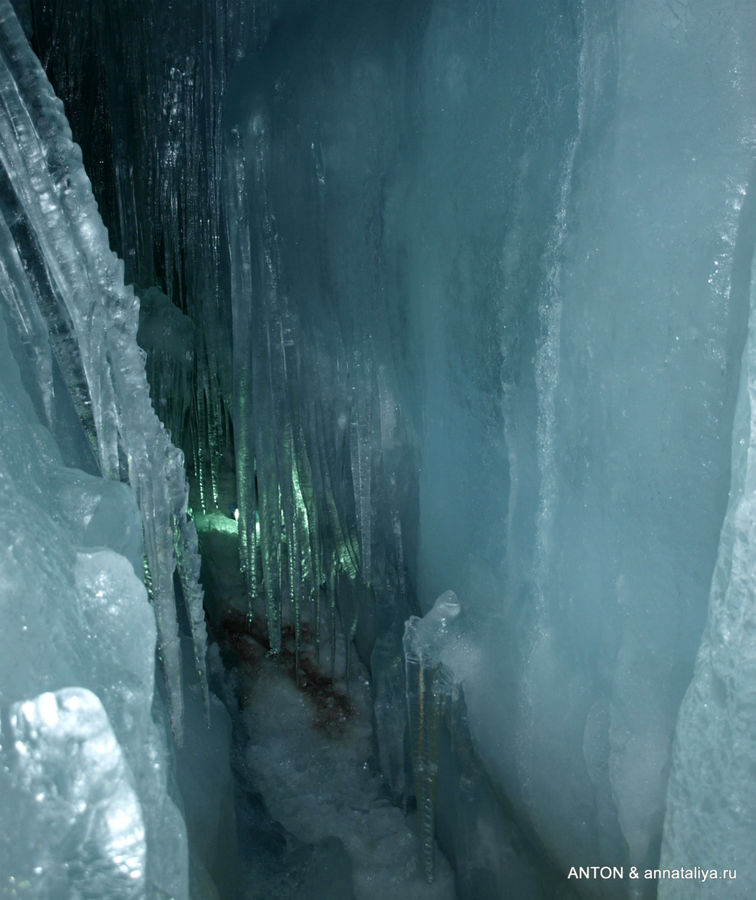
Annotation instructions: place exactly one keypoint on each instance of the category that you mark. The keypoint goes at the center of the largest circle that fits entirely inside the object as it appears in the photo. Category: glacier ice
(75, 614)
(468, 286)
(710, 798)
(89, 485)
(520, 249)
(70, 280)
(568, 272)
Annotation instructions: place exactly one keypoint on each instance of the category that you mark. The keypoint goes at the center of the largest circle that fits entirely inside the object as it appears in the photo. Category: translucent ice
(434, 657)
(65, 784)
(489, 280)
(70, 284)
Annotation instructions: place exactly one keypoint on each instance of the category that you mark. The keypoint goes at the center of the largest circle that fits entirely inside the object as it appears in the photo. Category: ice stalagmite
(428, 643)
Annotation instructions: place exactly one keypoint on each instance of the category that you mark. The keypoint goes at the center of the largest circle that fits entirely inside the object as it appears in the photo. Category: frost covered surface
(319, 785)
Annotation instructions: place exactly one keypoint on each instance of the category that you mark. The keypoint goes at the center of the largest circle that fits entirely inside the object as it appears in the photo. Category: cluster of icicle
(279, 520)
(71, 286)
(148, 114)
(306, 478)
(305, 471)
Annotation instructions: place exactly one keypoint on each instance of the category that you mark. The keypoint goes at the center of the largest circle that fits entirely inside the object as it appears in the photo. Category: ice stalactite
(431, 685)
(73, 283)
(361, 448)
(317, 424)
(288, 512)
(148, 115)
(256, 462)
(244, 439)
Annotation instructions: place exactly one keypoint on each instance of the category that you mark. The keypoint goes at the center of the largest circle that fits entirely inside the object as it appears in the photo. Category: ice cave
(377, 449)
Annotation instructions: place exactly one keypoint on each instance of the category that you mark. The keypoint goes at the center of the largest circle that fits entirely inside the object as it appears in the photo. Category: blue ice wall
(537, 224)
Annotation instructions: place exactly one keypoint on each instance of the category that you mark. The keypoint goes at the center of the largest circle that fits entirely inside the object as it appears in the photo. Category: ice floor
(316, 778)
(308, 761)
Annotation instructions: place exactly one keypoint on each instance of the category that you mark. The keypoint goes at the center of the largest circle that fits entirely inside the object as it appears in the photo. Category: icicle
(297, 628)
(295, 573)
(196, 462)
(349, 638)
(199, 472)
(270, 545)
(425, 708)
(308, 471)
(396, 528)
(188, 564)
(361, 462)
(216, 440)
(158, 544)
(288, 511)
(306, 515)
(430, 684)
(347, 553)
(316, 601)
(247, 505)
(247, 441)
(333, 613)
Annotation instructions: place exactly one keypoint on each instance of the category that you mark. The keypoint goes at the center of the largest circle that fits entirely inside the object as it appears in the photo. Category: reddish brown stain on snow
(247, 639)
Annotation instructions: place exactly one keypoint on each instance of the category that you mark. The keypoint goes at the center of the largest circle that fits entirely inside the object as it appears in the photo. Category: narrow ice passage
(452, 303)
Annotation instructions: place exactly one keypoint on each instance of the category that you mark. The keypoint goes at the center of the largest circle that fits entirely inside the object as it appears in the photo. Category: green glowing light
(216, 521)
